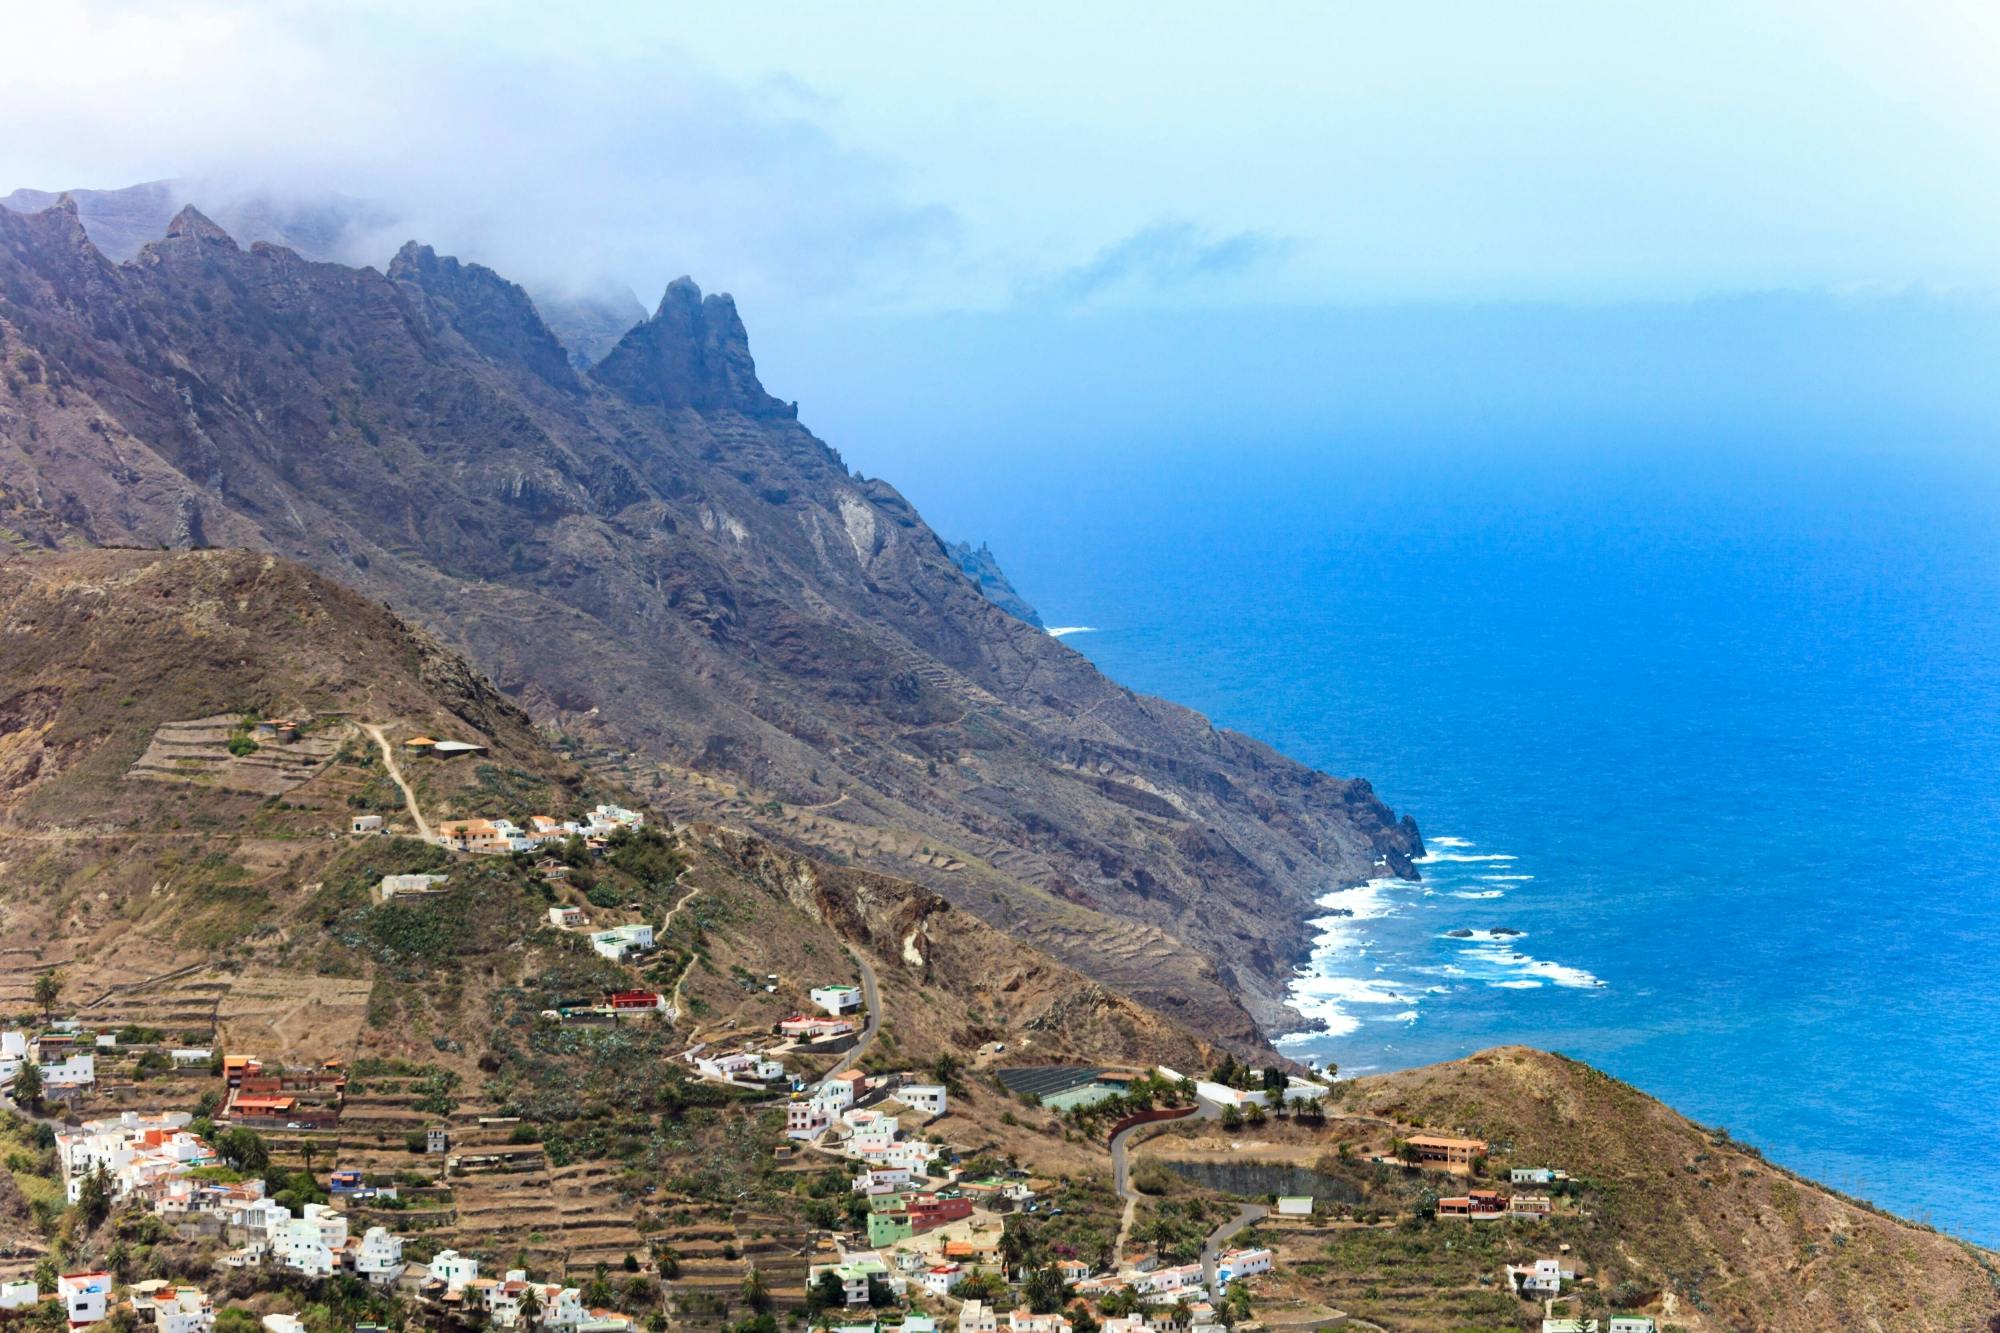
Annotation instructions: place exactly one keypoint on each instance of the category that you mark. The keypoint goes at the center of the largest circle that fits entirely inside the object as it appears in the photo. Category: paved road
(1121, 1170)
(9, 1104)
(870, 997)
(1211, 1250)
(409, 797)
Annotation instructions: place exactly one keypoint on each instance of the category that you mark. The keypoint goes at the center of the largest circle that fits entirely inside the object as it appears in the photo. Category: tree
(826, 1292)
(598, 1291)
(1274, 1079)
(243, 1149)
(48, 986)
(1232, 1118)
(946, 1070)
(531, 1307)
(1253, 1114)
(28, 1085)
(669, 1261)
(93, 1200)
(1045, 1290)
(756, 1294)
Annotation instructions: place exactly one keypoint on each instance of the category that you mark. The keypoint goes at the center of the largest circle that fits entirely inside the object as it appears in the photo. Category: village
(934, 1232)
(927, 1243)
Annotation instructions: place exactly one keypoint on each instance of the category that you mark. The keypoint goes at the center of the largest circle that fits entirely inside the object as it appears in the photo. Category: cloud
(1166, 254)
(562, 157)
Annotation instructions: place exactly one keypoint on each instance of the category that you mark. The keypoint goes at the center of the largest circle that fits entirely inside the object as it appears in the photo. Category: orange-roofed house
(1440, 1150)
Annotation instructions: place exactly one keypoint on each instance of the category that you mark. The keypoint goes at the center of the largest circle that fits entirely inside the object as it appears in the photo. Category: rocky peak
(494, 315)
(191, 224)
(693, 352)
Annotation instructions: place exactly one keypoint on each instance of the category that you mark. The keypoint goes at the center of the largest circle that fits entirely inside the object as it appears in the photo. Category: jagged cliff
(983, 568)
(658, 557)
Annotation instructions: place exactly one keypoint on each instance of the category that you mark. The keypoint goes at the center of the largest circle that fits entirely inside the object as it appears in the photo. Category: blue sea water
(1691, 613)
(1718, 735)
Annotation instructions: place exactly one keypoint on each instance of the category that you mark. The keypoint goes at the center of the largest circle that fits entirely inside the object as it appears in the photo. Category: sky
(982, 244)
(945, 157)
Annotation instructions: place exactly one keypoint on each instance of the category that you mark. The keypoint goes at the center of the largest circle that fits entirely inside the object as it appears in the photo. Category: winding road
(1211, 1249)
(871, 998)
(1121, 1171)
(395, 773)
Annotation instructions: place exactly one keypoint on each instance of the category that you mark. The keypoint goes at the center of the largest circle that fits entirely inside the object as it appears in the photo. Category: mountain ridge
(666, 563)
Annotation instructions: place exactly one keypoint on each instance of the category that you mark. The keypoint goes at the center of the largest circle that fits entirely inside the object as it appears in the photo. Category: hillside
(658, 559)
(187, 879)
(134, 842)
(1659, 1214)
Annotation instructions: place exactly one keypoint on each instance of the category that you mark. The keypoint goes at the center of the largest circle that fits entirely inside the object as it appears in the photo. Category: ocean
(1706, 751)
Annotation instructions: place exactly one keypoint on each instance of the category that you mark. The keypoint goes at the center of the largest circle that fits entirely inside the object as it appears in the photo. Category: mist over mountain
(587, 313)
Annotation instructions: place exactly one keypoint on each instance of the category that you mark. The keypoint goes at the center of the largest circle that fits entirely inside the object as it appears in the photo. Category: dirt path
(674, 999)
(409, 796)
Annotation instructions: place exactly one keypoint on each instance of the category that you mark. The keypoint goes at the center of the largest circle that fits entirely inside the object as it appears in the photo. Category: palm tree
(531, 1307)
(28, 1085)
(47, 987)
(756, 1294)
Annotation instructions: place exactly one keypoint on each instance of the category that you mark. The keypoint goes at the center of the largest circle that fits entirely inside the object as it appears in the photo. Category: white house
(939, 1279)
(748, 1065)
(1223, 1095)
(929, 1098)
(1021, 1321)
(1303, 1090)
(19, 1295)
(977, 1317)
(565, 917)
(836, 1095)
(283, 1323)
(13, 1054)
(881, 1180)
(1631, 1323)
(1544, 1277)
(603, 819)
(1531, 1175)
(312, 1242)
(79, 1071)
(84, 1296)
(837, 1000)
(259, 1219)
(365, 824)
(805, 1120)
(190, 1057)
(453, 1269)
(621, 941)
(173, 1309)
(379, 1257)
(1241, 1263)
(871, 1131)
(1295, 1205)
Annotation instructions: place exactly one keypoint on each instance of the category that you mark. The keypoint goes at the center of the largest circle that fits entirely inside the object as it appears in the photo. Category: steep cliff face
(983, 568)
(658, 557)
